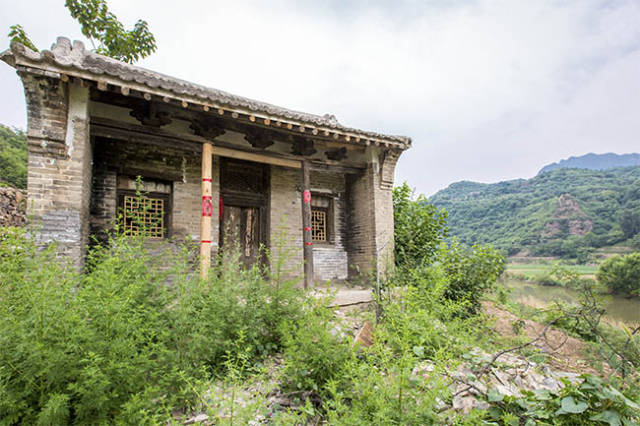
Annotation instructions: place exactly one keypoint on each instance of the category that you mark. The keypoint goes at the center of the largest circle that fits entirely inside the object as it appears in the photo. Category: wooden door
(244, 196)
(240, 231)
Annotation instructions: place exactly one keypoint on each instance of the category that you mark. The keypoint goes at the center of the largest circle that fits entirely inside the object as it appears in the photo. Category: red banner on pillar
(207, 206)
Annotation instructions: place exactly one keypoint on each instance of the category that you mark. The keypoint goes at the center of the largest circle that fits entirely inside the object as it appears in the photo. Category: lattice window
(144, 215)
(319, 225)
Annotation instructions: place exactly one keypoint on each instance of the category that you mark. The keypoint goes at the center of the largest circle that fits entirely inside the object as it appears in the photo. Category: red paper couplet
(306, 196)
(207, 207)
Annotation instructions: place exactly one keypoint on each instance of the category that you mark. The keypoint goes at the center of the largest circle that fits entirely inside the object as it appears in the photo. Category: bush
(419, 227)
(471, 272)
(621, 274)
(314, 351)
(117, 343)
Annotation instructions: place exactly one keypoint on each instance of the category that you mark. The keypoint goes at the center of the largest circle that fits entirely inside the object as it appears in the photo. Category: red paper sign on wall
(207, 206)
(306, 196)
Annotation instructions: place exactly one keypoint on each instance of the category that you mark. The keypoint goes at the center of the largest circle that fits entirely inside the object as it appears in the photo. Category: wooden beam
(306, 225)
(207, 210)
(258, 158)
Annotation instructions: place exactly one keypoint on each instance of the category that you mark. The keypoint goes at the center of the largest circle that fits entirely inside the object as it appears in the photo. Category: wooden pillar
(207, 210)
(306, 226)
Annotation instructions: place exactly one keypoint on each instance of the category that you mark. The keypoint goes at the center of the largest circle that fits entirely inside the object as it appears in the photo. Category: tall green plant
(418, 227)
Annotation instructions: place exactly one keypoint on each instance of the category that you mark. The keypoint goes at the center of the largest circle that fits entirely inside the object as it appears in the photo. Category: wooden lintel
(258, 158)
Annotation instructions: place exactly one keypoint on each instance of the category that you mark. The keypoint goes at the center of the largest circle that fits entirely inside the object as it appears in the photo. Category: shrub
(419, 227)
(471, 272)
(621, 274)
(116, 343)
(314, 351)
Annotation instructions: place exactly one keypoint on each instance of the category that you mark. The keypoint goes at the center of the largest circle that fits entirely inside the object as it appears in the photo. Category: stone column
(60, 162)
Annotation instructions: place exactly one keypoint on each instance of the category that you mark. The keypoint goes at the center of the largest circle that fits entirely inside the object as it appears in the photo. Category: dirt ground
(564, 352)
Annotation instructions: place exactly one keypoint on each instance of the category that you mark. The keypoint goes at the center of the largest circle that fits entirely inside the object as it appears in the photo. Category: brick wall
(182, 168)
(330, 260)
(59, 173)
(285, 219)
(361, 243)
(370, 224)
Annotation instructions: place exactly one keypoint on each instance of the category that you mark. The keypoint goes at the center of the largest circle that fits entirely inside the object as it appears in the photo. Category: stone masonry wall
(12, 206)
(59, 173)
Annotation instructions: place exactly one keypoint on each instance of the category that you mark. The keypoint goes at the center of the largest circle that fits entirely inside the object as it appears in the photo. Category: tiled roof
(65, 57)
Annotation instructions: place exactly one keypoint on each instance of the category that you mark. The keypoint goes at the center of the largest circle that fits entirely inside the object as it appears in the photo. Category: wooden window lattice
(318, 225)
(142, 214)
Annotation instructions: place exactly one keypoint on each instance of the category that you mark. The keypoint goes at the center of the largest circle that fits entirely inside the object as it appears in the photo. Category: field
(534, 271)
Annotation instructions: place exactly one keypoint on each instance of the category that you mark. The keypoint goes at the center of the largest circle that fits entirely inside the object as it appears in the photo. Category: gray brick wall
(59, 173)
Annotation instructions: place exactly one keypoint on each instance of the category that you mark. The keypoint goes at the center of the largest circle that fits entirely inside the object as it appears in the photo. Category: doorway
(244, 192)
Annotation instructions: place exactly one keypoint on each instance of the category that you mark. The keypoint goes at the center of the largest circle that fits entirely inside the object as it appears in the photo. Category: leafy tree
(419, 227)
(107, 35)
(621, 274)
(630, 223)
(13, 157)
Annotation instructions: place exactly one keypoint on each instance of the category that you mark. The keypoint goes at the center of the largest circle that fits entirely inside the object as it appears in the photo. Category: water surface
(618, 308)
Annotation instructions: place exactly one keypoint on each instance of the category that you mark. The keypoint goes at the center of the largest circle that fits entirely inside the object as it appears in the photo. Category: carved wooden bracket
(259, 139)
(149, 115)
(207, 128)
(336, 154)
(302, 146)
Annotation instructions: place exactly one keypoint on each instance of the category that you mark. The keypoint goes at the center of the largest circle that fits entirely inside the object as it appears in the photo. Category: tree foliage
(419, 227)
(107, 34)
(13, 157)
(621, 274)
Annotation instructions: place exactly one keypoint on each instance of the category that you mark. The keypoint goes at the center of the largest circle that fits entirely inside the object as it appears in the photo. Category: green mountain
(13, 157)
(564, 212)
(593, 161)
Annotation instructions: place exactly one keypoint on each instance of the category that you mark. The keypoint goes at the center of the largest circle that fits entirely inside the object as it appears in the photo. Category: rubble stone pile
(13, 203)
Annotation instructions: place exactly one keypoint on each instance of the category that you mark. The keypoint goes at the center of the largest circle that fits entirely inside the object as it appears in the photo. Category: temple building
(214, 168)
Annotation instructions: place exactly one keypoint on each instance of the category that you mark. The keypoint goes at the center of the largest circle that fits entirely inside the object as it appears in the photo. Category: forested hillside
(595, 162)
(13, 157)
(565, 212)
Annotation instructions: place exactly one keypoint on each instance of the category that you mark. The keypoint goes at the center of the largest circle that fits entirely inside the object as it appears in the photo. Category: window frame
(120, 197)
(329, 215)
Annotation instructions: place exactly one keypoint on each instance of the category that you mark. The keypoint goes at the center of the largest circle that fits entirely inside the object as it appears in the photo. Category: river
(618, 308)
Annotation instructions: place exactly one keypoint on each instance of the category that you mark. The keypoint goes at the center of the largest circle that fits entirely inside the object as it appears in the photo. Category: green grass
(538, 270)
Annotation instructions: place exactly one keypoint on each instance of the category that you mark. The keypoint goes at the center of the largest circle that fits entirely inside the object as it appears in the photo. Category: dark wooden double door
(244, 189)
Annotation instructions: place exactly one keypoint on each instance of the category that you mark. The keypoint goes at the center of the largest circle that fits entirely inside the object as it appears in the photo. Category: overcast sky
(488, 90)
